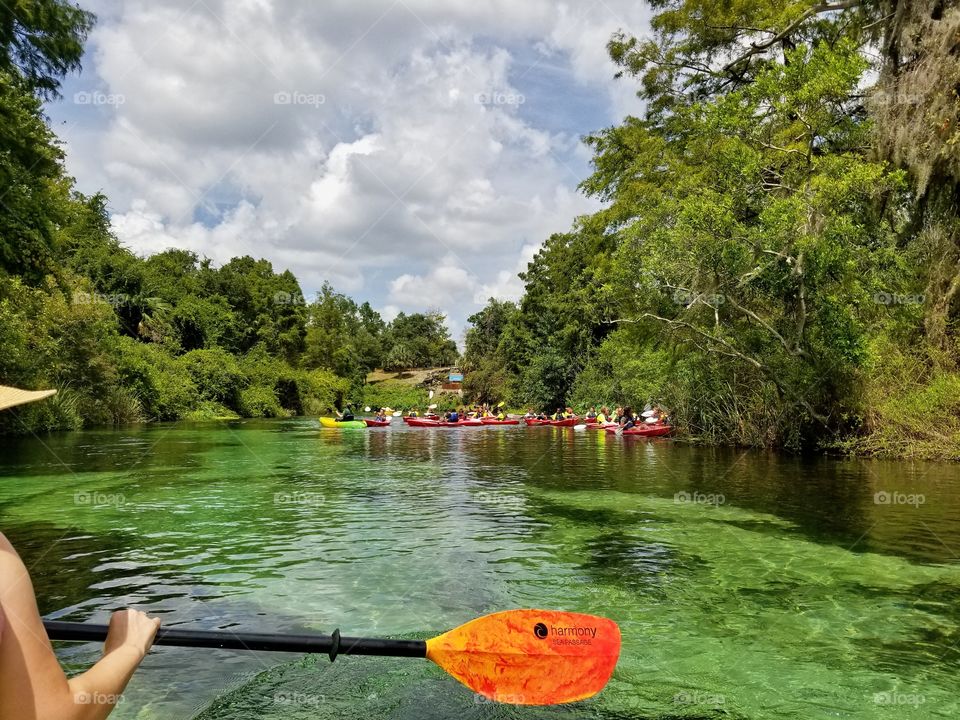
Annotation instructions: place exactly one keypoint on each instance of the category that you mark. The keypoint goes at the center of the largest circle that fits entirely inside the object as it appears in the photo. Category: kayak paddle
(522, 657)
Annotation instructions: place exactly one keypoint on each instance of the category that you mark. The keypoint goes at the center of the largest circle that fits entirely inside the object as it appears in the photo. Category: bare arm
(32, 684)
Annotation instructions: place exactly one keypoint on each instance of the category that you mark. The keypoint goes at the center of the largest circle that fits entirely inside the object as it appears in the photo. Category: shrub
(259, 401)
(321, 391)
(217, 374)
(206, 410)
(160, 382)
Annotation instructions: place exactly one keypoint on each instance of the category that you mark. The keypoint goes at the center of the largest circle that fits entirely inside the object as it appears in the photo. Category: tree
(33, 190)
(425, 337)
(400, 358)
(487, 327)
(41, 41)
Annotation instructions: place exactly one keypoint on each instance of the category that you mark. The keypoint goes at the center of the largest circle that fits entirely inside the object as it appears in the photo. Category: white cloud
(375, 167)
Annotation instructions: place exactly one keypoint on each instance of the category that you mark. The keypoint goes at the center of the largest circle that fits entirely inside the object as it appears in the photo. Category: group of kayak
(652, 422)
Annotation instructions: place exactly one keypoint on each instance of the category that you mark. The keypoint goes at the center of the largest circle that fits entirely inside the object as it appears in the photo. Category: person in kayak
(602, 418)
(627, 420)
(346, 415)
(453, 416)
(32, 683)
(591, 415)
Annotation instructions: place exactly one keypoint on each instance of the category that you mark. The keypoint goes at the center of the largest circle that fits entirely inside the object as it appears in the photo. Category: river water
(746, 585)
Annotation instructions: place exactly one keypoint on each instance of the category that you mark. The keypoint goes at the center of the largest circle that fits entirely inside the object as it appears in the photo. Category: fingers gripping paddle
(522, 657)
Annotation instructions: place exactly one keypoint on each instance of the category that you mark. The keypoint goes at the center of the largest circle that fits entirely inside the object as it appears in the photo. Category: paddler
(32, 683)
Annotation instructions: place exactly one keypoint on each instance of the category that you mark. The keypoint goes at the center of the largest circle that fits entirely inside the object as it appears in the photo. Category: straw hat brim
(11, 396)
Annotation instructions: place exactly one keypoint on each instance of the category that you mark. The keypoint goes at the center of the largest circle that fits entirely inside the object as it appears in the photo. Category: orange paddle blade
(530, 657)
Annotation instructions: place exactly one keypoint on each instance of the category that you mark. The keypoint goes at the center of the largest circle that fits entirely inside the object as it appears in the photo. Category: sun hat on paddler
(10, 396)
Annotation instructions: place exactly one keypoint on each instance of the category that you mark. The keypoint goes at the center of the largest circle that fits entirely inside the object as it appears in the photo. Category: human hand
(131, 628)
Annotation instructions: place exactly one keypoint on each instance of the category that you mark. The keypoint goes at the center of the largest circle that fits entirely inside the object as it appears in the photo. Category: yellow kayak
(329, 422)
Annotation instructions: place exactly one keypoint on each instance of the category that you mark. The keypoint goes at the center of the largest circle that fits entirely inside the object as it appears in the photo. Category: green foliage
(747, 234)
(206, 411)
(41, 41)
(322, 391)
(31, 185)
(202, 322)
(161, 383)
(217, 375)
(913, 412)
(340, 336)
(259, 401)
(419, 340)
(399, 396)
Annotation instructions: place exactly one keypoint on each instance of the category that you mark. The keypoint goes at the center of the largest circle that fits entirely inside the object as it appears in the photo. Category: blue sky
(412, 153)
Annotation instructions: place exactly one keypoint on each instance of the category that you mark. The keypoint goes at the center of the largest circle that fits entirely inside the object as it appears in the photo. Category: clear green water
(797, 596)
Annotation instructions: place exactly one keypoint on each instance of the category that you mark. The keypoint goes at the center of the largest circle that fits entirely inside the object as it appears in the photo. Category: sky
(413, 153)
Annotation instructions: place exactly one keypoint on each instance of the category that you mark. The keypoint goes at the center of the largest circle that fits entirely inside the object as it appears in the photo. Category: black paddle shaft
(332, 645)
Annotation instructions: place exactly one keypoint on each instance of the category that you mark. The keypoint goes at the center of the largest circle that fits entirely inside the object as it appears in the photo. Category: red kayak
(567, 422)
(495, 421)
(533, 422)
(645, 430)
(408, 418)
(377, 423)
(600, 426)
(420, 422)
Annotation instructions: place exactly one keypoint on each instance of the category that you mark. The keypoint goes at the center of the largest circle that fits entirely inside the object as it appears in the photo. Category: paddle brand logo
(565, 634)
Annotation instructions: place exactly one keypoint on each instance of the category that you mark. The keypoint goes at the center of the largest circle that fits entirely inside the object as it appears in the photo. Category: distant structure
(454, 383)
